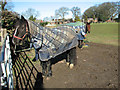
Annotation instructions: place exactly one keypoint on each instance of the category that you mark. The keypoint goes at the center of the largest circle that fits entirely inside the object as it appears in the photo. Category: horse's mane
(34, 28)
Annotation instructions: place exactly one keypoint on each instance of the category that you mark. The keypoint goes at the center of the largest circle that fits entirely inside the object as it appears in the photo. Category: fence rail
(6, 65)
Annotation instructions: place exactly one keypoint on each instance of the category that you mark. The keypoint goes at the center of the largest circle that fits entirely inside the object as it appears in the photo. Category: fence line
(3, 34)
(6, 65)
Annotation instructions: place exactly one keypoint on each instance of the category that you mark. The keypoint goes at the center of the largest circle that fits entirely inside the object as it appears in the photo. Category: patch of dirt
(97, 67)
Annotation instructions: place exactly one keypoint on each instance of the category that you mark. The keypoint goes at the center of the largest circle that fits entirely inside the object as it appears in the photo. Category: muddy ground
(97, 67)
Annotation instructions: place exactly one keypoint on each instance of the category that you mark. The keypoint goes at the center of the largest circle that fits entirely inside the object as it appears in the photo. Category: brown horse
(88, 27)
(81, 31)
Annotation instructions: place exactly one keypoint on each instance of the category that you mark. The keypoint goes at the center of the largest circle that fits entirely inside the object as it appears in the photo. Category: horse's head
(87, 27)
(21, 31)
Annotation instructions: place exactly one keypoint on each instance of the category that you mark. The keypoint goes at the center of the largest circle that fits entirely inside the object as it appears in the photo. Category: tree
(46, 19)
(76, 13)
(94, 17)
(90, 12)
(6, 5)
(30, 13)
(77, 18)
(61, 12)
(86, 18)
(2, 4)
(103, 11)
(43, 24)
(115, 9)
(8, 17)
(32, 18)
(106, 10)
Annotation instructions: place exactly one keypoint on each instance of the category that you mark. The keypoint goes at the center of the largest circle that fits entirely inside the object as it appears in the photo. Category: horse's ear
(22, 18)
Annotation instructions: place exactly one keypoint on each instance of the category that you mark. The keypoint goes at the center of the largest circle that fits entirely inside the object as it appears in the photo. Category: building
(92, 20)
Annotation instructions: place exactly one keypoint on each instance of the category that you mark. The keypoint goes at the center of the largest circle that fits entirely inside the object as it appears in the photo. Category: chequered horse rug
(52, 42)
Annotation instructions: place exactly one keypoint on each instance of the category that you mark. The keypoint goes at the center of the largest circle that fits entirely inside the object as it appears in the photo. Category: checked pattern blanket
(52, 42)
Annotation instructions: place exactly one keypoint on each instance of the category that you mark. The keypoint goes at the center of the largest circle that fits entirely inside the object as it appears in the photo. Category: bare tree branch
(6, 5)
(61, 12)
(30, 12)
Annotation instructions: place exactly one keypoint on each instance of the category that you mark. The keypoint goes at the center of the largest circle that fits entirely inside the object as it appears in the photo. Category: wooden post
(3, 34)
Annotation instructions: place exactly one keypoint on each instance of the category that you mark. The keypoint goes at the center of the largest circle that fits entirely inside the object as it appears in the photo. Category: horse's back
(54, 41)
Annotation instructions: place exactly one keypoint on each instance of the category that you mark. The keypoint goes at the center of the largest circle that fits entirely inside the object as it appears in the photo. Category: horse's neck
(34, 28)
(29, 24)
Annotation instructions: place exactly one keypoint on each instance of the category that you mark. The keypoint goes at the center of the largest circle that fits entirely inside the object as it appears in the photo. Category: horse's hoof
(71, 66)
(61, 62)
(67, 63)
(43, 76)
(48, 78)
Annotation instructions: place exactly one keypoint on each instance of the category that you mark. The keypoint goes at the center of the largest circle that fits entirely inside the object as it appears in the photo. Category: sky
(46, 8)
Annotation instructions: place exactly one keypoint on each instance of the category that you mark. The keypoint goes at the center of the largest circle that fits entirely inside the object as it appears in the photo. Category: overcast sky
(47, 8)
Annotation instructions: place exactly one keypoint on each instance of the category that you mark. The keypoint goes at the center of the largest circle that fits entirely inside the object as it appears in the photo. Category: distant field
(105, 33)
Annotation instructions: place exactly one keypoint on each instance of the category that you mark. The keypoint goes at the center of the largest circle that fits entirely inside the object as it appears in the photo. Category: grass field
(106, 33)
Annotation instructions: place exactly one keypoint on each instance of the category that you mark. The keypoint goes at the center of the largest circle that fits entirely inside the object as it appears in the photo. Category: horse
(48, 43)
(82, 33)
(81, 30)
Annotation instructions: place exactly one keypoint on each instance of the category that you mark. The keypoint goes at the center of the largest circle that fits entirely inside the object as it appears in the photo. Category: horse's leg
(44, 67)
(68, 58)
(72, 57)
(80, 43)
(36, 55)
(49, 68)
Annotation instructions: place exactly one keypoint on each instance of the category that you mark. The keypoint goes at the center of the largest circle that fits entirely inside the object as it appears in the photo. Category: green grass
(105, 33)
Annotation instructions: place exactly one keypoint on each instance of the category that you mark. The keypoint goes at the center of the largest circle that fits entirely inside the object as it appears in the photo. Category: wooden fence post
(3, 34)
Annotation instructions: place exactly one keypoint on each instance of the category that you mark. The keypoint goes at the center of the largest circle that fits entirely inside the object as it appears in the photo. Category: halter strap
(24, 34)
